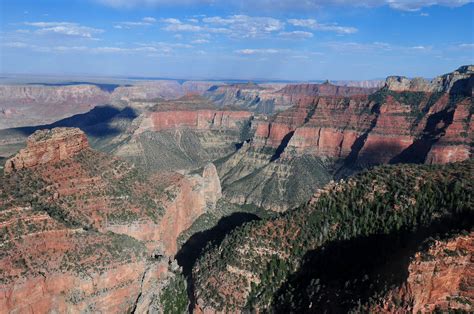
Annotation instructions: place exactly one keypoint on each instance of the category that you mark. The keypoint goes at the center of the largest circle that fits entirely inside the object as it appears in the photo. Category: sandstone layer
(46, 146)
(339, 130)
(439, 279)
(84, 231)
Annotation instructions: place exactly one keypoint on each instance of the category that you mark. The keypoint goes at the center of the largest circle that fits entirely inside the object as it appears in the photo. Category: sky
(230, 39)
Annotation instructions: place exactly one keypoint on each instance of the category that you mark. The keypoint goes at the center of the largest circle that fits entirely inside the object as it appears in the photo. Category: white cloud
(415, 5)
(421, 48)
(424, 14)
(175, 25)
(355, 47)
(314, 25)
(466, 46)
(15, 44)
(65, 28)
(296, 35)
(139, 48)
(200, 41)
(358, 47)
(149, 19)
(146, 21)
(171, 21)
(183, 28)
(139, 3)
(257, 51)
(405, 5)
(238, 26)
(246, 26)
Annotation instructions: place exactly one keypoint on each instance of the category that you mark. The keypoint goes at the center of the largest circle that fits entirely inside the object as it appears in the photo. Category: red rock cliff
(195, 119)
(440, 278)
(48, 146)
(82, 239)
(390, 125)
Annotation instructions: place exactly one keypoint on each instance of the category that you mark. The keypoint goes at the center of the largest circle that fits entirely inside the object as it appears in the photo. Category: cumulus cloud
(64, 28)
(246, 26)
(240, 26)
(314, 25)
(175, 25)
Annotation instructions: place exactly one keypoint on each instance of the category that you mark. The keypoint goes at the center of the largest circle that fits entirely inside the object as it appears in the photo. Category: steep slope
(39, 104)
(270, 98)
(26, 105)
(249, 267)
(85, 231)
(333, 136)
(182, 134)
(439, 278)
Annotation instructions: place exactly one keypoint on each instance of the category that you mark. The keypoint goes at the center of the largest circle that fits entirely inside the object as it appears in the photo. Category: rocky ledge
(48, 146)
(460, 81)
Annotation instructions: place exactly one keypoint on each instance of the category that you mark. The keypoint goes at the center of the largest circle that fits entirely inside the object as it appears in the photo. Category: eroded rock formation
(342, 129)
(84, 231)
(48, 146)
(439, 279)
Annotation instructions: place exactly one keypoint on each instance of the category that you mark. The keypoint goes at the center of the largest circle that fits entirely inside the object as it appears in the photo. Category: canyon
(102, 188)
(100, 231)
(36, 104)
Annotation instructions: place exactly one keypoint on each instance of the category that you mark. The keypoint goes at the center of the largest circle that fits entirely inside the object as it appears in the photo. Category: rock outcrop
(460, 81)
(273, 98)
(347, 130)
(48, 266)
(84, 231)
(194, 119)
(37, 104)
(439, 279)
(299, 261)
(47, 147)
(185, 134)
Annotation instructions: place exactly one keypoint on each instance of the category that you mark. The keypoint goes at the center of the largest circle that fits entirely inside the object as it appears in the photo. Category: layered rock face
(81, 226)
(26, 105)
(271, 98)
(345, 131)
(194, 119)
(46, 146)
(458, 82)
(184, 134)
(48, 266)
(439, 279)
(165, 89)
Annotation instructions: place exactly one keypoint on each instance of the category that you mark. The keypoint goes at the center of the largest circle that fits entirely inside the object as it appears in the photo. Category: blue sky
(246, 39)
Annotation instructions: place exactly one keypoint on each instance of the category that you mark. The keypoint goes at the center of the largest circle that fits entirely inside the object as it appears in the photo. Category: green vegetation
(174, 297)
(387, 199)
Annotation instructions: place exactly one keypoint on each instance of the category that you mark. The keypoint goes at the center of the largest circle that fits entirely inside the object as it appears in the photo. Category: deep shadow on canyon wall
(194, 247)
(344, 275)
